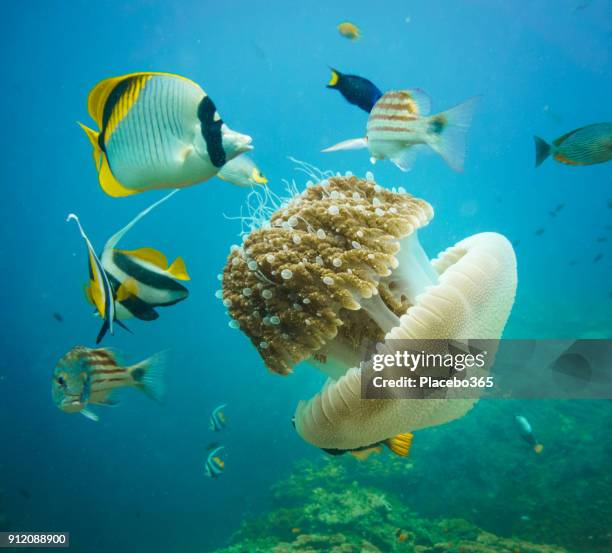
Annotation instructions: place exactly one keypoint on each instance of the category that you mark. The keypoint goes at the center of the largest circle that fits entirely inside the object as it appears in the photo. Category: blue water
(134, 481)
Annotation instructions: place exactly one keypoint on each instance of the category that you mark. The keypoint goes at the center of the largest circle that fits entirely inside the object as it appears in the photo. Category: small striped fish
(214, 465)
(399, 124)
(157, 130)
(584, 146)
(131, 283)
(217, 419)
(87, 376)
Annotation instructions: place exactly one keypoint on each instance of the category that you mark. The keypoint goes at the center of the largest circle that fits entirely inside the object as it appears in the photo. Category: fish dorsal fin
(149, 255)
(128, 288)
(114, 239)
(563, 138)
(101, 291)
(96, 101)
(178, 270)
(421, 101)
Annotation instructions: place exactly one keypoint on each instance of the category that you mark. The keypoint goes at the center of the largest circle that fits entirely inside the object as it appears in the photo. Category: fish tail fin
(542, 150)
(93, 138)
(446, 132)
(335, 77)
(352, 144)
(178, 269)
(400, 444)
(148, 375)
(538, 448)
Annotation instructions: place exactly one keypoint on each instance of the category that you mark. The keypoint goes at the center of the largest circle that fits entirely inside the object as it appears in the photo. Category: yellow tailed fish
(157, 130)
(139, 280)
(242, 171)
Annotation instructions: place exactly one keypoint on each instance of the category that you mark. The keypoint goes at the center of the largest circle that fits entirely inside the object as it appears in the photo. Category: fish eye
(61, 381)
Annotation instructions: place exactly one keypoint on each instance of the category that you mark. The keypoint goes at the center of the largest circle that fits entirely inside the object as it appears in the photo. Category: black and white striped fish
(132, 283)
(157, 130)
(86, 376)
(399, 123)
(214, 465)
(217, 418)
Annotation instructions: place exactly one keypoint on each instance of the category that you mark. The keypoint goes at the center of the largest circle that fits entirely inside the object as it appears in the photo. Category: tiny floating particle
(337, 262)
(328, 280)
(286, 274)
(369, 176)
(247, 292)
(234, 325)
(252, 264)
(227, 302)
(333, 210)
(321, 234)
(267, 294)
(219, 294)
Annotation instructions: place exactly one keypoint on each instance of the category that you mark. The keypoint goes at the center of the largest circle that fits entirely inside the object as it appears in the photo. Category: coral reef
(320, 511)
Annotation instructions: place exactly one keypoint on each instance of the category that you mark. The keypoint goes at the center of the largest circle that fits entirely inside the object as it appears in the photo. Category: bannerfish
(349, 30)
(527, 433)
(584, 146)
(356, 90)
(217, 419)
(157, 130)
(242, 171)
(131, 283)
(399, 124)
(214, 464)
(86, 376)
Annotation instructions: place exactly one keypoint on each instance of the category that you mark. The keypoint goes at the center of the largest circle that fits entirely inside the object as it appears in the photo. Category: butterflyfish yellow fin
(333, 81)
(128, 288)
(93, 138)
(178, 269)
(538, 448)
(96, 292)
(96, 101)
(400, 444)
(363, 454)
(110, 184)
(258, 177)
(150, 256)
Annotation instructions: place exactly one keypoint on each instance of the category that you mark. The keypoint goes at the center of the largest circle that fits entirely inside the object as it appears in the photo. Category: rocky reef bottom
(313, 516)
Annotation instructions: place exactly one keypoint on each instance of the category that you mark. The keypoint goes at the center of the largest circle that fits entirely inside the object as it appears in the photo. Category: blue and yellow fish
(584, 146)
(217, 419)
(356, 90)
(87, 376)
(214, 465)
(131, 283)
(157, 130)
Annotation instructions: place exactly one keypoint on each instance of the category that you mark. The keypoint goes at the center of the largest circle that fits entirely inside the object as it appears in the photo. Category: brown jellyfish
(337, 268)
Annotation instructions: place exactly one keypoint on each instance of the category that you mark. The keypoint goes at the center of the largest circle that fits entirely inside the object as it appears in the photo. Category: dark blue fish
(356, 90)
(217, 419)
(584, 146)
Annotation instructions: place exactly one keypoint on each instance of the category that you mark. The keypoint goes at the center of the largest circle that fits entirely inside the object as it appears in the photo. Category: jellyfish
(338, 265)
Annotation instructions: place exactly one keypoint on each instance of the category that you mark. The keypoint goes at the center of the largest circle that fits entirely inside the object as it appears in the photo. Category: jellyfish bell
(339, 267)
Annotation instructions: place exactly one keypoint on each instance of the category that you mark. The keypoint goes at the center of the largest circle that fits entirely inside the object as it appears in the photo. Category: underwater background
(135, 480)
